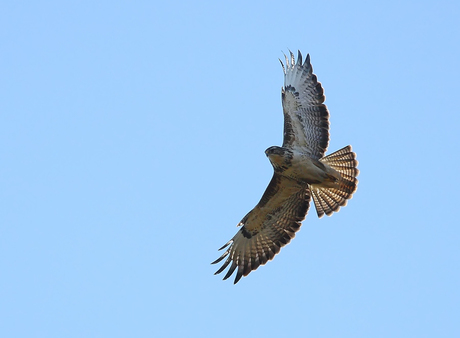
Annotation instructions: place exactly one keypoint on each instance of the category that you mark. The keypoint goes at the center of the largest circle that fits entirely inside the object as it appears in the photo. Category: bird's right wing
(266, 228)
(306, 118)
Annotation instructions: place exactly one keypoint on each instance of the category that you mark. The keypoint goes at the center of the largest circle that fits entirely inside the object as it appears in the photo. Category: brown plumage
(300, 172)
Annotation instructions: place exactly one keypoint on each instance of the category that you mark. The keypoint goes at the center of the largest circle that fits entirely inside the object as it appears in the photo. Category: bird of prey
(301, 172)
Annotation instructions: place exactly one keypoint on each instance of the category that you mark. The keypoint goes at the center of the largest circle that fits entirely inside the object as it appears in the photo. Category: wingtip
(287, 60)
(226, 244)
(299, 58)
(237, 278)
(282, 65)
(230, 270)
(292, 58)
(221, 257)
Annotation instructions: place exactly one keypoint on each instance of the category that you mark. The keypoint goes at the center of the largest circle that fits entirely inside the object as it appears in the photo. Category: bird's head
(279, 157)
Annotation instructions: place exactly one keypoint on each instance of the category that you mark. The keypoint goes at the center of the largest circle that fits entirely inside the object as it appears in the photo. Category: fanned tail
(330, 199)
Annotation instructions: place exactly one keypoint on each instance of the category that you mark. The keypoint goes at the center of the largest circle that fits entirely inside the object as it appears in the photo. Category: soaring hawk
(301, 172)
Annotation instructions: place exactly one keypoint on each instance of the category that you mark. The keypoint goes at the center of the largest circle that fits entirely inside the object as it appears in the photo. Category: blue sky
(132, 138)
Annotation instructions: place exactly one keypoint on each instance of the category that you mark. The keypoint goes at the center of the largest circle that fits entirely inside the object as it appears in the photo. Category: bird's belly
(305, 169)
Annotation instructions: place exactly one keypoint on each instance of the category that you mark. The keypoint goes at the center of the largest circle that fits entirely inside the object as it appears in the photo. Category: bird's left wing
(306, 118)
(266, 228)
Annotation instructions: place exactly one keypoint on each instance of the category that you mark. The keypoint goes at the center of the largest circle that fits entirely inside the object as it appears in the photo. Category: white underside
(310, 170)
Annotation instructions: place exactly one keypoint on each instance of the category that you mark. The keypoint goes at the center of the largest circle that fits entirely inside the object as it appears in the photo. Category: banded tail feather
(330, 199)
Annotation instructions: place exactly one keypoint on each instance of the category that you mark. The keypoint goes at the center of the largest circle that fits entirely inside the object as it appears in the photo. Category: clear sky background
(132, 139)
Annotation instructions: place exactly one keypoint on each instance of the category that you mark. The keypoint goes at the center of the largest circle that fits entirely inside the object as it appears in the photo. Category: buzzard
(301, 172)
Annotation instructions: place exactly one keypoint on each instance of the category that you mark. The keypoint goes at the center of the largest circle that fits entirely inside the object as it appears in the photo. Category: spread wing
(266, 228)
(306, 118)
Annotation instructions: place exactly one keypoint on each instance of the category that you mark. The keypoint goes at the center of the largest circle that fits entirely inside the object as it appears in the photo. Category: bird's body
(301, 167)
(301, 172)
